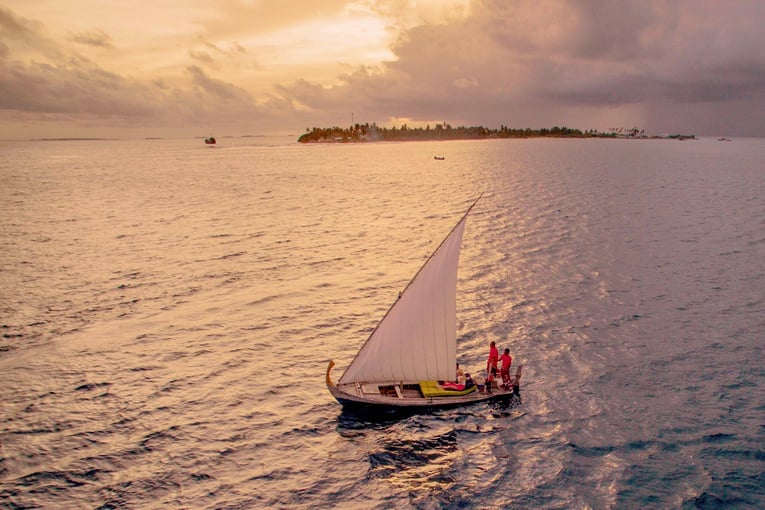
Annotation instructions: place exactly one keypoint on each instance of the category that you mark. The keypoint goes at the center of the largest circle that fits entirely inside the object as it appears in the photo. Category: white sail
(417, 338)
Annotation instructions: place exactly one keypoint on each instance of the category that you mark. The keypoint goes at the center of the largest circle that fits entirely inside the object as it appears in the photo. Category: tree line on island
(374, 133)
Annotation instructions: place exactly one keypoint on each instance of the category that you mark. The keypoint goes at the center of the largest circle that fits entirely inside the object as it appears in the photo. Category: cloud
(26, 34)
(218, 88)
(465, 83)
(97, 38)
(530, 62)
(53, 82)
(76, 88)
(238, 18)
(15, 27)
(48, 82)
(653, 63)
(203, 57)
(215, 56)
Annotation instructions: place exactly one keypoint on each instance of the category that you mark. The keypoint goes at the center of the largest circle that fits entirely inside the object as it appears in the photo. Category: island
(374, 133)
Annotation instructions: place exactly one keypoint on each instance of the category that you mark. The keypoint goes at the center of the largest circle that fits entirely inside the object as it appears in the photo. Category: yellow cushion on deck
(432, 389)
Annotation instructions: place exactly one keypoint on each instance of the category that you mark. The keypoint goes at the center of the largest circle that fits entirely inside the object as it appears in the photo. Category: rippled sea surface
(168, 310)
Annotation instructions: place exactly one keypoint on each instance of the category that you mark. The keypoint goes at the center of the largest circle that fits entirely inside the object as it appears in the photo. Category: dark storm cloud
(585, 29)
(624, 52)
(534, 59)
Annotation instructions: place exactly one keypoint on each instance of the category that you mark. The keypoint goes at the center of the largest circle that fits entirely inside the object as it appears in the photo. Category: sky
(171, 68)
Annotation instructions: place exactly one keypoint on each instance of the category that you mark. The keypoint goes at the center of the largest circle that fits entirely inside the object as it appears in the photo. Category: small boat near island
(439, 158)
(410, 358)
(210, 141)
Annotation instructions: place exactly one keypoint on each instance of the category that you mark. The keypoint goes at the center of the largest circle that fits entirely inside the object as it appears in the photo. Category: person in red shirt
(507, 361)
(491, 364)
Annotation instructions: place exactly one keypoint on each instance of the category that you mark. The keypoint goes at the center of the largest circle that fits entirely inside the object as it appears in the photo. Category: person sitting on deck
(507, 362)
(458, 384)
(460, 379)
(451, 385)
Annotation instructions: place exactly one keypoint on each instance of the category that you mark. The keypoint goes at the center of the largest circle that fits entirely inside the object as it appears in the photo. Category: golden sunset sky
(232, 67)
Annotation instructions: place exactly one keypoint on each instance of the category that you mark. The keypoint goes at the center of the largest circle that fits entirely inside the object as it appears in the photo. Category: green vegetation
(375, 133)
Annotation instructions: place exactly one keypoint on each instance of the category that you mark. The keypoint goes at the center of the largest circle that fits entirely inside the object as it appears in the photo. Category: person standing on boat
(507, 362)
(491, 364)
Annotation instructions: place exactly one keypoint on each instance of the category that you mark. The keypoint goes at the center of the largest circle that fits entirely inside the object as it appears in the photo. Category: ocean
(168, 311)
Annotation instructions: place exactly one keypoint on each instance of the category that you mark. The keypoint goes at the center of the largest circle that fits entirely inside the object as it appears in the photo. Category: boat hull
(357, 396)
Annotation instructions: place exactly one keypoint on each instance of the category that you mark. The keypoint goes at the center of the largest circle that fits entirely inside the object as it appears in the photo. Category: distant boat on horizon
(439, 158)
(210, 141)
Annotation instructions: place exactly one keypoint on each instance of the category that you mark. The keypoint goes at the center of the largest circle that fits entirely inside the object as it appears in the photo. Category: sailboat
(410, 358)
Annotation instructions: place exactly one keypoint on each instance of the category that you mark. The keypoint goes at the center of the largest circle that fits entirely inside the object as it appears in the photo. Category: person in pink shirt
(507, 361)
